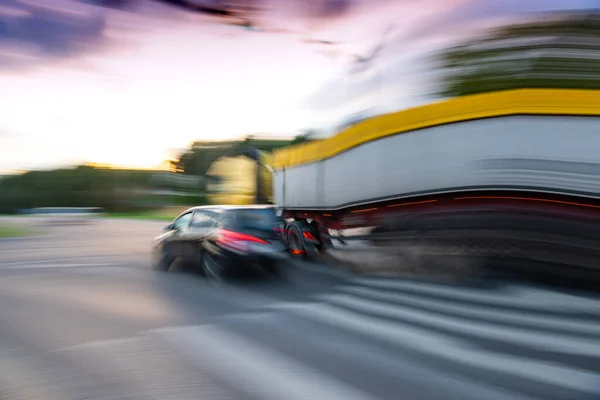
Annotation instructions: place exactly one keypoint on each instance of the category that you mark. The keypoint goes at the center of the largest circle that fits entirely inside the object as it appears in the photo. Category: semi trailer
(511, 174)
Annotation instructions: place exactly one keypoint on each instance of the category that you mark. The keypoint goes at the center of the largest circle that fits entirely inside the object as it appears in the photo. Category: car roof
(225, 207)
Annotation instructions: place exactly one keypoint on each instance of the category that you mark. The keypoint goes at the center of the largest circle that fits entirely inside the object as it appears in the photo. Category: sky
(403, 74)
(81, 83)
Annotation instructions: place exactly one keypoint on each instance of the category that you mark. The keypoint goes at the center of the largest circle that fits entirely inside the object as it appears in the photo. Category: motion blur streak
(524, 199)
(312, 199)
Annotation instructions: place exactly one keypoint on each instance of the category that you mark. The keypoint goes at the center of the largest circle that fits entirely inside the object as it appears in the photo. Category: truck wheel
(295, 242)
(324, 239)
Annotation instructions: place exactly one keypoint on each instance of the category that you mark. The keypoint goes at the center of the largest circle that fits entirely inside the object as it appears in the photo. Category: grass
(9, 230)
(149, 216)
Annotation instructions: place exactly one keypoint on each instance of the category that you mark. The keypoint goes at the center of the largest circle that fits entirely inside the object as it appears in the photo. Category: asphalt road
(82, 316)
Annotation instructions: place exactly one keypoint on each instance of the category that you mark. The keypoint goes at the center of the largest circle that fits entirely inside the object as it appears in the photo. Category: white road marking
(482, 329)
(227, 365)
(255, 369)
(110, 270)
(56, 260)
(323, 269)
(522, 297)
(479, 311)
(42, 265)
(446, 347)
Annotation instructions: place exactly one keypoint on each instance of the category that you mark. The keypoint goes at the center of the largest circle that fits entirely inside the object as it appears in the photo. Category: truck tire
(297, 244)
(322, 236)
(295, 241)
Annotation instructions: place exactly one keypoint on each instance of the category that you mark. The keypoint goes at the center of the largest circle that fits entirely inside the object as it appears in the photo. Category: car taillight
(237, 241)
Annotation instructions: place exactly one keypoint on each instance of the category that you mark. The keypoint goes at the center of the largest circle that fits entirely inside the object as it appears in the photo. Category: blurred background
(144, 84)
(132, 111)
(164, 85)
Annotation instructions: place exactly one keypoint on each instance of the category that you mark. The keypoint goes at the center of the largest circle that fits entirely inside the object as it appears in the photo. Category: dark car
(223, 241)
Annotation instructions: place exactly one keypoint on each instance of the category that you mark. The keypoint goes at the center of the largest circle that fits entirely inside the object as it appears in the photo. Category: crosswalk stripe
(486, 330)
(476, 311)
(255, 369)
(446, 347)
(524, 298)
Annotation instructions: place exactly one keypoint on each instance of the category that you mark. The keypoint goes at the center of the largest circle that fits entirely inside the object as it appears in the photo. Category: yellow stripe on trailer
(460, 109)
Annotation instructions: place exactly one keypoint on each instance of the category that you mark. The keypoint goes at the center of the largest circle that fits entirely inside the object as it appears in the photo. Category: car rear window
(264, 218)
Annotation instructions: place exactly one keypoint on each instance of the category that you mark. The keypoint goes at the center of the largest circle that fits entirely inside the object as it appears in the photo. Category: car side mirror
(169, 227)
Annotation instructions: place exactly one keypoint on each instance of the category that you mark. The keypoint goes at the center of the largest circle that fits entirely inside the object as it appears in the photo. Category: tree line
(558, 51)
(82, 186)
(122, 190)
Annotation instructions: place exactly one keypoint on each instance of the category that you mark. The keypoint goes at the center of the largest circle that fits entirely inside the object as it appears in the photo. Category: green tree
(82, 186)
(561, 52)
(196, 160)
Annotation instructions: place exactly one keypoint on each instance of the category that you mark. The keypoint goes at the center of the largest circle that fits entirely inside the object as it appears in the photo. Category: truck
(510, 175)
(241, 178)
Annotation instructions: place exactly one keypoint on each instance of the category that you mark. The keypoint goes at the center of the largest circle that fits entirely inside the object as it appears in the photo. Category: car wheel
(199, 261)
(161, 262)
(212, 270)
